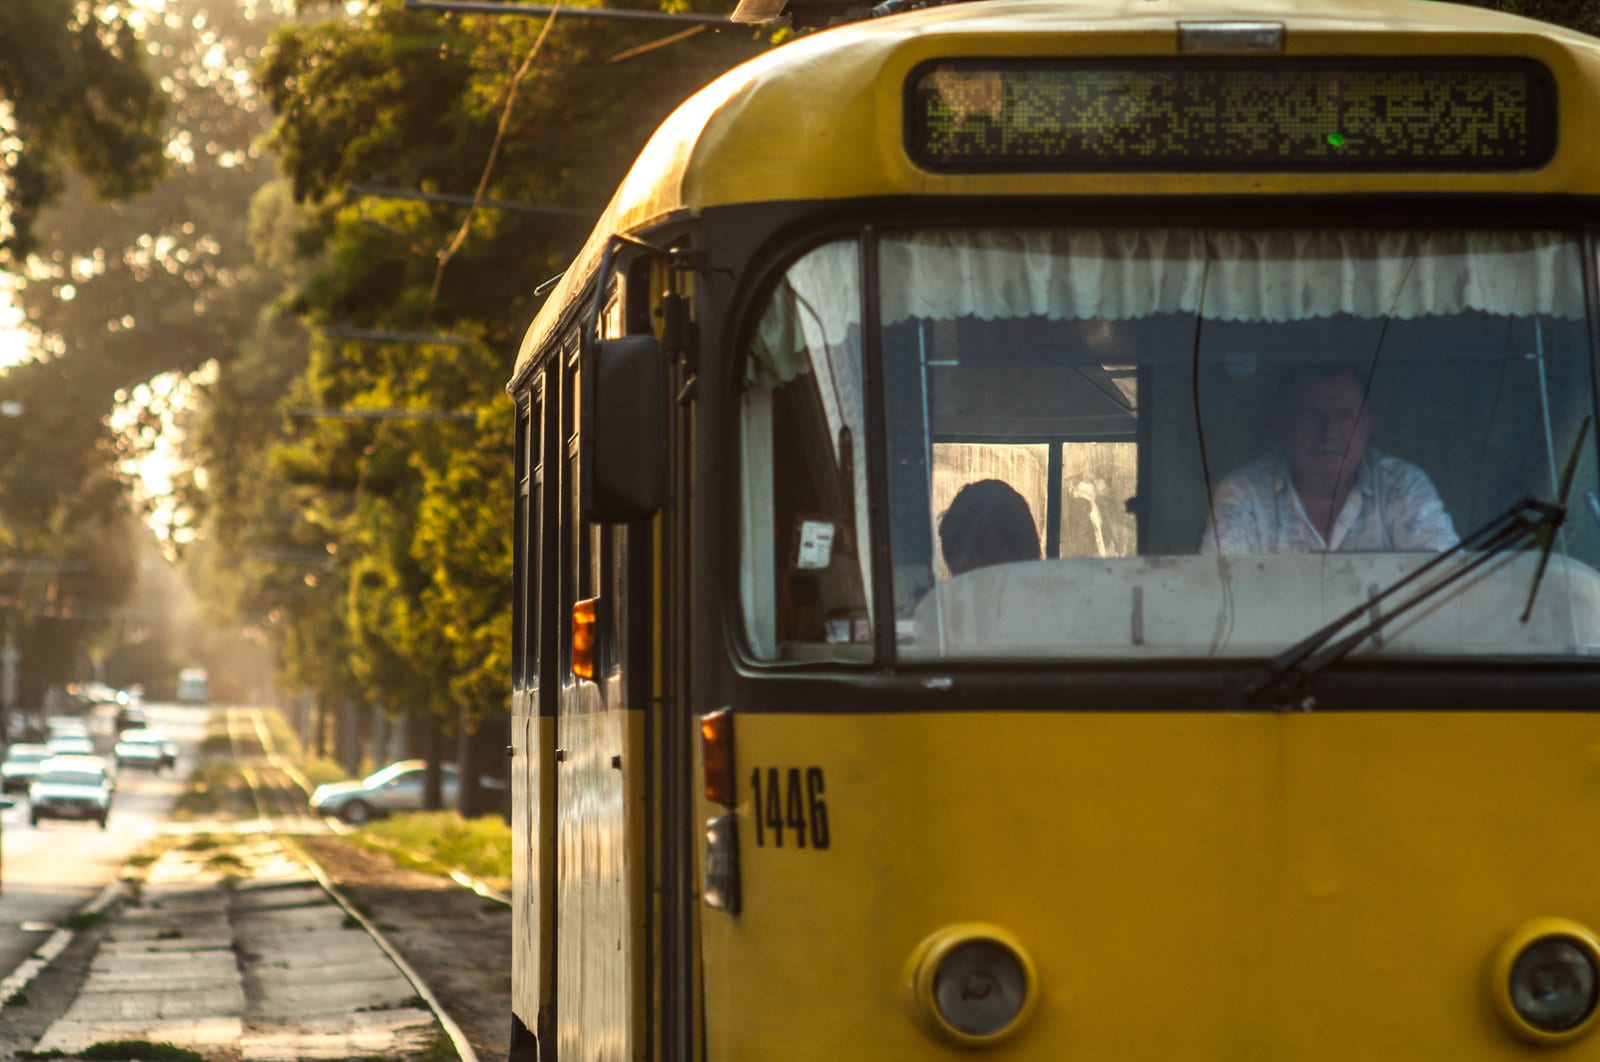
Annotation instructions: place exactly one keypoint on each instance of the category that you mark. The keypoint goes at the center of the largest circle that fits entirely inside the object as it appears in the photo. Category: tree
(75, 94)
(416, 511)
(121, 295)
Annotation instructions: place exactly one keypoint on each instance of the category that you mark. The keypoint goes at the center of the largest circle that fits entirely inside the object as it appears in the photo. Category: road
(49, 872)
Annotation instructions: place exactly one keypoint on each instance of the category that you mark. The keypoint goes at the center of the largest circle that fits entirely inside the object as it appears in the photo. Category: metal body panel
(598, 914)
(533, 858)
(1198, 886)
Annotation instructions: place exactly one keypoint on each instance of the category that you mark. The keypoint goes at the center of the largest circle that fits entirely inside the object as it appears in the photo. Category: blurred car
(149, 749)
(131, 717)
(71, 745)
(23, 724)
(71, 787)
(21, 765)
(98, 693)
(397, 787)
(66, 725)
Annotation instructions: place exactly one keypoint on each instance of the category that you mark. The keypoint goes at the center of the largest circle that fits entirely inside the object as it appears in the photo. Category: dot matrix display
(1207, 115)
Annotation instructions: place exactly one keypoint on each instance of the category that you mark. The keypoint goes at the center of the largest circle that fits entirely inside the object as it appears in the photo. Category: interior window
(805, 571)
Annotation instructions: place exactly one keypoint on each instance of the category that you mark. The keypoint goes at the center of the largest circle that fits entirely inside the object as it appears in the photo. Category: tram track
(279, 794)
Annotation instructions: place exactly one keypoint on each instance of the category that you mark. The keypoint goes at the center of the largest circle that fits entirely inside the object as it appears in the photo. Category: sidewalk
(239, 954)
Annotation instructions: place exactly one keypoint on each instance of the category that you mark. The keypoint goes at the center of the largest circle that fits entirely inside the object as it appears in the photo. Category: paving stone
(310, 987)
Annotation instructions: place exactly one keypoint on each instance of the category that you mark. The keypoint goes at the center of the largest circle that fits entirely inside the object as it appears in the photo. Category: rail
(279, 791)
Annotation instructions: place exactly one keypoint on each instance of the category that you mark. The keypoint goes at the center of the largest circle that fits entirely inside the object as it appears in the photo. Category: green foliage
(1581, 15)
(443, 841)
(83, 920)
(411, 609)
(139, 1051)
(122, 298)
(80, 97)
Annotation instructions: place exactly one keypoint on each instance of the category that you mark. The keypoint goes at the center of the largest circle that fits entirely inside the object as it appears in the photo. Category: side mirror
(624, 430)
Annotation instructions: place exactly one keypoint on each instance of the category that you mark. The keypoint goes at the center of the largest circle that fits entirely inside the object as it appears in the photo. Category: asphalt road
(51, 871)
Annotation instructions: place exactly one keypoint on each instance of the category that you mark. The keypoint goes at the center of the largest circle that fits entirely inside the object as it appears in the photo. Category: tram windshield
(1157, 442)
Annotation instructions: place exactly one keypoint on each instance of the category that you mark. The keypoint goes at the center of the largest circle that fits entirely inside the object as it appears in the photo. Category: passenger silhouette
(987, 523)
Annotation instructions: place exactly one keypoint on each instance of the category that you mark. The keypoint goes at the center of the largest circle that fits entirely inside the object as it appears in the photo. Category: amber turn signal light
(716, 756)
(584, 634)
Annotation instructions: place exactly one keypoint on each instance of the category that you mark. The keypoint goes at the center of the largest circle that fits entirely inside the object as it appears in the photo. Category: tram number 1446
(788, 800)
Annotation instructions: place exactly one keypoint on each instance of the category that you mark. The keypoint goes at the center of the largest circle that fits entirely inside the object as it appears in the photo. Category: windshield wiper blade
(1549, 533)
(1287, 674)
(1529, 518)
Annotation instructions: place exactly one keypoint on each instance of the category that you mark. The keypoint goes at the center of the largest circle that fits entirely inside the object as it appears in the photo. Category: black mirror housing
(624, 430)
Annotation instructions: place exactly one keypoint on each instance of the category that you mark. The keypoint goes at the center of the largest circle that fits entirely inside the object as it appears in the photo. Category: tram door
(533, 707)
(599, 775)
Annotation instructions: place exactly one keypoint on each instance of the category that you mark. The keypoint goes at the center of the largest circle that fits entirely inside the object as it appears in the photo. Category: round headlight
(1553, 984)
(1547, 981)
(979, 988)
(974, 983)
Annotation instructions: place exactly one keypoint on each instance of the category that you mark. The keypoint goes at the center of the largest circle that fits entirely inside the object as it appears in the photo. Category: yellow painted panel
(1188, 885)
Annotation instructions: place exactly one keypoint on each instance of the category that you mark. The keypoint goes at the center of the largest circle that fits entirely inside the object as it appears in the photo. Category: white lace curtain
(1267, 275)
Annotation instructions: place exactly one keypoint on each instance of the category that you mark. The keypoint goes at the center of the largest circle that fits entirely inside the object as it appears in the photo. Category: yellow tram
(1070, 531)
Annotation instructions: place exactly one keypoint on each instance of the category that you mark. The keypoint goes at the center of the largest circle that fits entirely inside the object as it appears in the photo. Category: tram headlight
(974, 984)
(1548, 981)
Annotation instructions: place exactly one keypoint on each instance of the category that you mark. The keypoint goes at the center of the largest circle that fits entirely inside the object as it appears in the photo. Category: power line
(490, 7)
(378, 191)
(329, 413)
(340, 332)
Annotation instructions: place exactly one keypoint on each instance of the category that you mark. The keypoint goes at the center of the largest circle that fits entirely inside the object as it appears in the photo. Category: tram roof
(761, 132)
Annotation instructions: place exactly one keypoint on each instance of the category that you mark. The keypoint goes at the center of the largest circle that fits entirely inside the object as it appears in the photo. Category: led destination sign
(997, 115)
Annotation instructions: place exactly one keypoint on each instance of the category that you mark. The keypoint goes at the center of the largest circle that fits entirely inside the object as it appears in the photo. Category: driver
(1325, 489)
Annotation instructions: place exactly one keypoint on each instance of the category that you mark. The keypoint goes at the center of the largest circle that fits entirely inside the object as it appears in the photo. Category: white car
(71, 745)
(71, 787)
(398, 787)
(21, 766)
(66, 726)
(148, 749)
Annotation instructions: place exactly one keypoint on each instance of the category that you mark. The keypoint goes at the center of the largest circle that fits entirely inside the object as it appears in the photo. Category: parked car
(71, 787)
(24, 724)
(149, 749)
(21, 765)
(71, 745)
(397, 787)
(131, 717)
(193, 686)
(66, 726)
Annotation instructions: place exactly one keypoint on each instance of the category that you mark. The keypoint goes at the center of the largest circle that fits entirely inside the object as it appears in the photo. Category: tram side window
(805, 572)
(529, 518)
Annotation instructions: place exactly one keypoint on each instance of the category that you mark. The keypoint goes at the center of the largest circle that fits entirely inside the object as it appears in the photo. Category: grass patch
(216, 790)
(140, 1051)
(440, 1049)
(286, 743)
(443, 841)
(82, 920)
(217, 860)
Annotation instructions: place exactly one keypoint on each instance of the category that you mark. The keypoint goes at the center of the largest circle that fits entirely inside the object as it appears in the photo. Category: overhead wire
(488, 167)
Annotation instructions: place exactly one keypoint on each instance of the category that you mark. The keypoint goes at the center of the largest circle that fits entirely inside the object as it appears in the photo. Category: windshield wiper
(1527, 520)
(1290, 669)
(1550, 532)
